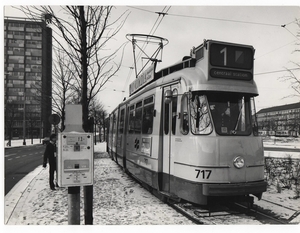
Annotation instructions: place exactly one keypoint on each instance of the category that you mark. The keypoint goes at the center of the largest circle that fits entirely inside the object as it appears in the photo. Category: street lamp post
(24, 118)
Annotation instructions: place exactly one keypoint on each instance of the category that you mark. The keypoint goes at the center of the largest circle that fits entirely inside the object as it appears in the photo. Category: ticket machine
(75, 164)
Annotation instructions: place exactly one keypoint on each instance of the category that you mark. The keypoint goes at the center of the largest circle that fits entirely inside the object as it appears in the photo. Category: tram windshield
(231, 113)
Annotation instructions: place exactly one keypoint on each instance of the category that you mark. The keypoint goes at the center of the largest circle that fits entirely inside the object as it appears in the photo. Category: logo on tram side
(137, 144)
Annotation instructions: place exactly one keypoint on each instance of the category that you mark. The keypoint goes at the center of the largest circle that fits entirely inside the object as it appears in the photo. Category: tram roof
(197, 79)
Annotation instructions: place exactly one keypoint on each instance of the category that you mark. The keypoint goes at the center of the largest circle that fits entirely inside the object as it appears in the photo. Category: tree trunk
(84, 73)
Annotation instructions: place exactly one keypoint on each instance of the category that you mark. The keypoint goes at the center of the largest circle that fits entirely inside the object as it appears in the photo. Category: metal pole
(24, 123)
(74, 205)
(88, 204)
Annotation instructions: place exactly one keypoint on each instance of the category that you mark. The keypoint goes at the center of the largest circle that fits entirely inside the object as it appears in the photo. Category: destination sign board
(146, 77)
(231, 74)
(231, 61)
(229, 56)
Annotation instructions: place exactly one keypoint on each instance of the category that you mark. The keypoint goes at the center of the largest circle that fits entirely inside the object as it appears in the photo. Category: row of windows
(21, 25)
(14, 98)
(16, 65)
(141, 117)
(33, 120)
(20, 43)
(279, 112)
(20, 76)
(15, 89)
(20, 33)
(229, 114)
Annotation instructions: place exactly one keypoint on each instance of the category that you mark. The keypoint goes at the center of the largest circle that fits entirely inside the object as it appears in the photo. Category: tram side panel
(109, 142)
(113, 134)
(121, 136)
(142, 138)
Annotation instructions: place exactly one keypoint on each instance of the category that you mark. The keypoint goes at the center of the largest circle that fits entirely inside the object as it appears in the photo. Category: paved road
(19, 161)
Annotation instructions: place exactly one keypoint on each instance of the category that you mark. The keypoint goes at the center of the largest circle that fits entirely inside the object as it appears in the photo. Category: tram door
(168, 131)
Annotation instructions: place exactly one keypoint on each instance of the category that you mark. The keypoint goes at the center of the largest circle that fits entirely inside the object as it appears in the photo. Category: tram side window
(174, 114)
(184, 121)
(166, 120)
(148, 110)
(131, 119)
(110, 124)
(254, 118)
(114, 130)
(138, 118)
(121, 123)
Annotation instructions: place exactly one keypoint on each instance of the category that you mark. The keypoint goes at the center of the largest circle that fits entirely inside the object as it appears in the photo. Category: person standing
(50, 156)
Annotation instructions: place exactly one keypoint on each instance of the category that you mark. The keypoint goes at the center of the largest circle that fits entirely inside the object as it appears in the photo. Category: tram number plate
(205, 174)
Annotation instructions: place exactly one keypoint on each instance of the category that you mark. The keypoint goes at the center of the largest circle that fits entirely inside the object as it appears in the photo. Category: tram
(189, 130)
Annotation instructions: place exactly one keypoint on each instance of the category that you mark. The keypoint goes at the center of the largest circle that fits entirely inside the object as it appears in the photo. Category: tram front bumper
(234, 189)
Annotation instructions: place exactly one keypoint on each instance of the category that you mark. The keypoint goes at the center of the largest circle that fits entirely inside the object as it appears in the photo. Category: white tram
(189, 131)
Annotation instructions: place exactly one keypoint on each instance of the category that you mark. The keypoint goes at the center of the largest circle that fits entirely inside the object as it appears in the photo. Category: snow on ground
(118, 200)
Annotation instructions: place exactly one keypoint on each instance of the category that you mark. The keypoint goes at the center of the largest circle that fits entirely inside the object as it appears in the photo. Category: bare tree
(10, 115)
(63, 85)
(86, 33)
(99, 114)
(291, 75)
(293, 79)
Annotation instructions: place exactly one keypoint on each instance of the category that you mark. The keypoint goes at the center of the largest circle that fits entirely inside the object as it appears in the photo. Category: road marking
(7, 155)
(18, 157)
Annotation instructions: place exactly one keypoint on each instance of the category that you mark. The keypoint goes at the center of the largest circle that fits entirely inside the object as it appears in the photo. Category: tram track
(228, 213)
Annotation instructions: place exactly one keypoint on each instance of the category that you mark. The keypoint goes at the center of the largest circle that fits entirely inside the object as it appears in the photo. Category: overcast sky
(187, 26)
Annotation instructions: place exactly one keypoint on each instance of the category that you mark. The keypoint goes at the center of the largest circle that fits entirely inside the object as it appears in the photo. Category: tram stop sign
(54, 119)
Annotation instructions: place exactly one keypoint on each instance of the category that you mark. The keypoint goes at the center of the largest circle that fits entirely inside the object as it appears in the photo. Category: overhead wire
(225, 20)
(277, 71)
(228, 20)
(276, 49)
(291, 33)
(217, 19)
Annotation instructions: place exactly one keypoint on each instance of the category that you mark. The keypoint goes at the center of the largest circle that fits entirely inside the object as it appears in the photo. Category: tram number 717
(204, 173)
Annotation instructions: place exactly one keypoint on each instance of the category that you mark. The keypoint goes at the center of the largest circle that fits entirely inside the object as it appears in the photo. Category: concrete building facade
(27, 78)
(281, 120)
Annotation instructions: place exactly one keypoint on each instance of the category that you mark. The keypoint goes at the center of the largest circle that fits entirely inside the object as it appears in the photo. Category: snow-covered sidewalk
(118, 200)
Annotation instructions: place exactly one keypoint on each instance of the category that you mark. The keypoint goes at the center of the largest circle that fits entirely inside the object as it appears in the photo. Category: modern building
(27, 78)
(281, 120)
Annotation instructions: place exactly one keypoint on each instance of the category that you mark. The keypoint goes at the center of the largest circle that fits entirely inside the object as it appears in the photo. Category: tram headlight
(239, 162)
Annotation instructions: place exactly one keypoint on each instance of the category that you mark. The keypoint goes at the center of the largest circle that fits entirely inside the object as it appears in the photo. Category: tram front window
(200, 119)
(231, 113)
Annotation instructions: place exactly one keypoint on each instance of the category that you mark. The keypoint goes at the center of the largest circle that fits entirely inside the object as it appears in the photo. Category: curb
(12, 199)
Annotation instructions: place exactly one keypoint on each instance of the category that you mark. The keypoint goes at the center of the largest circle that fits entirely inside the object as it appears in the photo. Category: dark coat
(49, 154)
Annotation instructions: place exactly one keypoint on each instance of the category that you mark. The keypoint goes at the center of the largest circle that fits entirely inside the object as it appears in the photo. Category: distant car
(46, 141)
